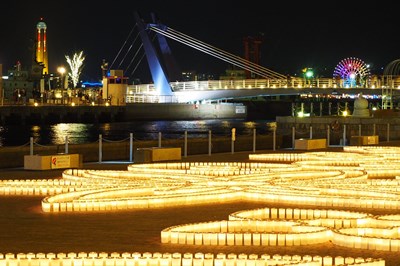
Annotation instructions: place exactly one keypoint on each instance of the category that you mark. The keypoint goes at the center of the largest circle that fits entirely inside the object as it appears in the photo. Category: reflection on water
(141, 130)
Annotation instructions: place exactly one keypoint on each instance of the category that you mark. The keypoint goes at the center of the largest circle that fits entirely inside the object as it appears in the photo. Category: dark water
(142, 130)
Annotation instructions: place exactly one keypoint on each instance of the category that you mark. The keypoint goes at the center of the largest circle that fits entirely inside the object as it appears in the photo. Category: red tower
(41, 45)
(252, 51)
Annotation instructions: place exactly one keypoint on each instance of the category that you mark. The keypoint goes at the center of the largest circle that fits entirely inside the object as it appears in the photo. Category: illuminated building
(41, 45)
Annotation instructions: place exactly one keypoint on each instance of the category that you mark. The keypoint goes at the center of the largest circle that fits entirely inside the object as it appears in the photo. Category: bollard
(159, 139)
(311, 132)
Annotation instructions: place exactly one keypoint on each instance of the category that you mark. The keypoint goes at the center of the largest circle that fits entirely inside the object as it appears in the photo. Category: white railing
(148, 92)
(265, 83)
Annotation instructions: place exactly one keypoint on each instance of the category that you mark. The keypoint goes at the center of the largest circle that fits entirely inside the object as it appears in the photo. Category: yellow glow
(368, 179)
(61, 70)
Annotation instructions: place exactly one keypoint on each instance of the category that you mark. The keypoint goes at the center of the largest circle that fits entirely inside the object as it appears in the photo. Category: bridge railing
(290, 82)
(146, 98)
(148, 92)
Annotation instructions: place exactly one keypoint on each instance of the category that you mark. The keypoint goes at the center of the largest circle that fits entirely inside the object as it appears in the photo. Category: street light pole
(62, 70)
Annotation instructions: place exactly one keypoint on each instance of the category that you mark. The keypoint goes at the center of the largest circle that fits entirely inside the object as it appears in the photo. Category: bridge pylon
(157, 71)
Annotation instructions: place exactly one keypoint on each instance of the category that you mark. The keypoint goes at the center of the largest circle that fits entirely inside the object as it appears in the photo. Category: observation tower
(41, 45)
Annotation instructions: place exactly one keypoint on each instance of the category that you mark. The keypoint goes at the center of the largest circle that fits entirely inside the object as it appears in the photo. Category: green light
(309, 74)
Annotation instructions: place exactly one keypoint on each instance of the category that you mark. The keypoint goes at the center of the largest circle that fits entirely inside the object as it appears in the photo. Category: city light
(309, 73)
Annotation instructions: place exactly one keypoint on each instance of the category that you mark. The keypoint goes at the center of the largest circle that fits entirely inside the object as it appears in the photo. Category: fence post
(293, 136)
(320, 108)
(209, 143)
(185, 145)
(254, 140)
(233, 138)
(344, 135)
(131, 147)
(328, 135)
(31, 145)
(293, 110)
(66, 145)
(159, 139)
(310, 132)
(338, 108)
(274, 138)
(100, 148)
(388, 132)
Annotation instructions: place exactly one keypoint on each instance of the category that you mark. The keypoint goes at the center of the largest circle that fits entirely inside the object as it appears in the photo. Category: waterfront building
(114, 87)
(17, 85)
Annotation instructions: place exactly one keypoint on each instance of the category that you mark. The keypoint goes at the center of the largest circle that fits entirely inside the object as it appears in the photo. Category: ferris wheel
(353, 71)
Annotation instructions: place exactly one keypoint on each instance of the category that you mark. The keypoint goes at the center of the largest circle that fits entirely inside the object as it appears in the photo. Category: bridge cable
(141, 58)
(129, 49)
(218, 53)
(130, 33)
(248, 65)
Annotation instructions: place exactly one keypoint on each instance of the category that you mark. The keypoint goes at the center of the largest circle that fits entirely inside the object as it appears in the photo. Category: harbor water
(79, 133)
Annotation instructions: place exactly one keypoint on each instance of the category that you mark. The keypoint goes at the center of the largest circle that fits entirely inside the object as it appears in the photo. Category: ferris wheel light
(353, 71)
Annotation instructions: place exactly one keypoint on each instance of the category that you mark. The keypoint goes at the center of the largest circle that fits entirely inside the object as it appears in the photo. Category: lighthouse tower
(41, 45)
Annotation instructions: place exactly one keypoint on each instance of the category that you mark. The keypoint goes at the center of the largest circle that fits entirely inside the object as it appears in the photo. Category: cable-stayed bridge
(268, 82)
(219, 90)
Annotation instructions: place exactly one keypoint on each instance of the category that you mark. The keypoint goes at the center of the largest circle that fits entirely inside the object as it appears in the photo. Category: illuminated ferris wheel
(353, 71)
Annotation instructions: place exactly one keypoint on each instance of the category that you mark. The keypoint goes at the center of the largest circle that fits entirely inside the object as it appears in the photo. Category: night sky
(294, 37)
